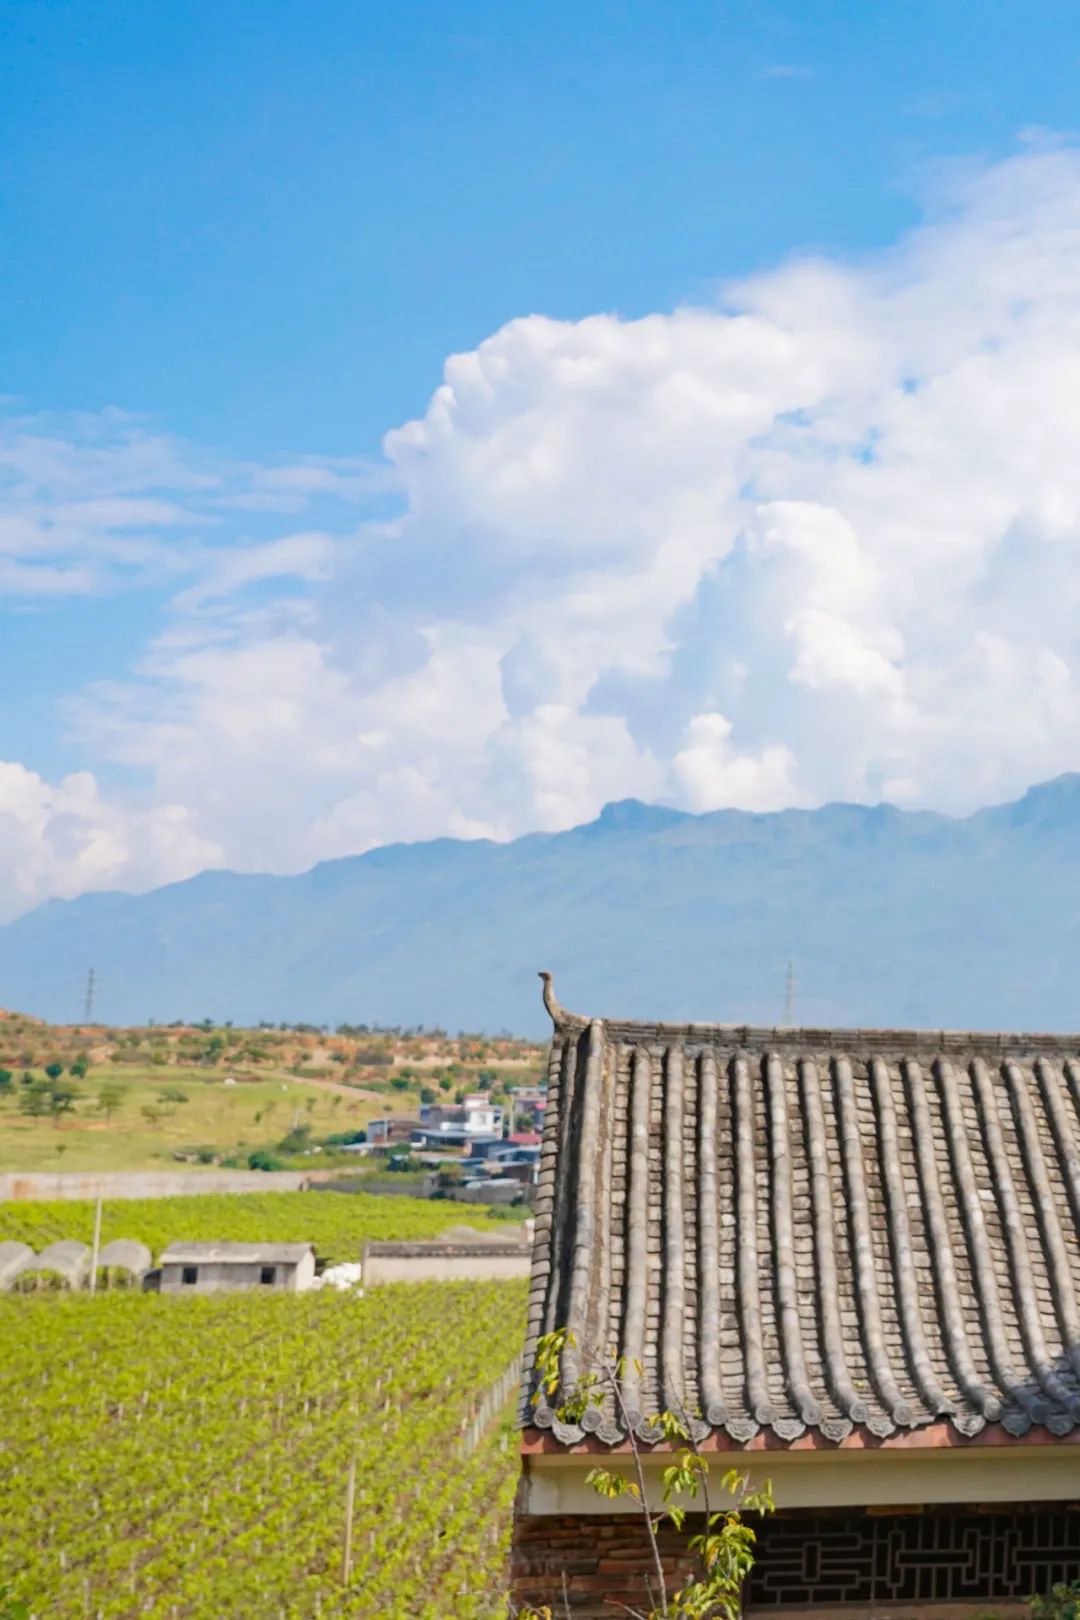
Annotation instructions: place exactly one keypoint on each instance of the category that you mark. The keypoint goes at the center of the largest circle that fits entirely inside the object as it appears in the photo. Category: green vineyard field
(336, 1223)
(187, 1459)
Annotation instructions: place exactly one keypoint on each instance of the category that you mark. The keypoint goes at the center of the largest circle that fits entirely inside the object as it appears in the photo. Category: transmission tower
(88, 1005)
(789, 997)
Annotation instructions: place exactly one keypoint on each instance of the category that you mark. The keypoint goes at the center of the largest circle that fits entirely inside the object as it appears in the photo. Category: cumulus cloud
(711, 772)
(60, 839)
(818, 541)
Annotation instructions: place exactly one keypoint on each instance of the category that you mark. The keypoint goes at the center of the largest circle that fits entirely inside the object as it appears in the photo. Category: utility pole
(789, 998)
(96, 1250)
(88, 1007)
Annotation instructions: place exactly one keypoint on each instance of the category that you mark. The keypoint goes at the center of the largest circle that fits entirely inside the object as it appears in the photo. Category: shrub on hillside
(263, 1160)
(298, 1140)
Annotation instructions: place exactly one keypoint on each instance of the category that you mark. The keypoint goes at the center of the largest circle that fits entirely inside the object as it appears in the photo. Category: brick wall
(603, 1561)
(933, 1563)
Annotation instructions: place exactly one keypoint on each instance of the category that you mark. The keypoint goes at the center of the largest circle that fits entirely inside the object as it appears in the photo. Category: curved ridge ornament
(559, 1015)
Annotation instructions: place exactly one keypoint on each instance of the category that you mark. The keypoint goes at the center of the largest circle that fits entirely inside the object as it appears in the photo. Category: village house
(473, 1127)
(527, 1104)
(394, 1131)
(216, 1268)
(851, 1259)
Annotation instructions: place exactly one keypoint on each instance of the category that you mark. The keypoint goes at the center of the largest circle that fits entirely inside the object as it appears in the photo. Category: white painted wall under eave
(555, 1483)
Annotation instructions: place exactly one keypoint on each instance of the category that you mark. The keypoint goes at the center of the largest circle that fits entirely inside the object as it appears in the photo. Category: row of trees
(53, 1071)
(51, 1094)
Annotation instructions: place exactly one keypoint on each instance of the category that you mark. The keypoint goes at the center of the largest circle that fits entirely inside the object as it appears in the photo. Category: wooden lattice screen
(939, 1555)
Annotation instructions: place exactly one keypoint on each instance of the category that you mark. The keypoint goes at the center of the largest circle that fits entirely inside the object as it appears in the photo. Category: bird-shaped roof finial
(555, 1012)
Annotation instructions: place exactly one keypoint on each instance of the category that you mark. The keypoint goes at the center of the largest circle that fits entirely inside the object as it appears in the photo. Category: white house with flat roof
(216, 1268)
(482, 1116)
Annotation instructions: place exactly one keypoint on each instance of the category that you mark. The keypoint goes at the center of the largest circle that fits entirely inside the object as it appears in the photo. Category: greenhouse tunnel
(14, 1259)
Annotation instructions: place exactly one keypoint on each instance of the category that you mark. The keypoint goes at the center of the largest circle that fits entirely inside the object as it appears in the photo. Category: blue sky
(239, 245)
(267, 226)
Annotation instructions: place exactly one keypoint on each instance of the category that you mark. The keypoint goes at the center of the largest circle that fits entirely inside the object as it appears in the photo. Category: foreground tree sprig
(724, 1548)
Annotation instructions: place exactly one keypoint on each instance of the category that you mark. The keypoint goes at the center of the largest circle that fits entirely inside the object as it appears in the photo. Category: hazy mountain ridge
(889, 916)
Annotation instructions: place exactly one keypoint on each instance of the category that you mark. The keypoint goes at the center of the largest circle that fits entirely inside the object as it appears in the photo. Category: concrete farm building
(215, 1268)
(852, 1257)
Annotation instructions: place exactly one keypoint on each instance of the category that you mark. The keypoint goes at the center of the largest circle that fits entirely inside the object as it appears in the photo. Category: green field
(189, 1457)
(336, 1223)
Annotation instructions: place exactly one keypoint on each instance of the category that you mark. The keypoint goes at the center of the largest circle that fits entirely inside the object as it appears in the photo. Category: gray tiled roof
(799, 1230)
(239, 1253)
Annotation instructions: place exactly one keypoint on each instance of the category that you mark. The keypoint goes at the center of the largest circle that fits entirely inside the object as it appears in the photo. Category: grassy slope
(215, 1114)
(333, 1082)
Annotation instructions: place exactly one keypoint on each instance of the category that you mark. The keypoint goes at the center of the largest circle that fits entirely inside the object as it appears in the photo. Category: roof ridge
(820, 1036)
(841, 1037)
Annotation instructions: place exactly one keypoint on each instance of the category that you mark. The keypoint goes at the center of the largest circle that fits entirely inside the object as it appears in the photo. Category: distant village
(475, 1151)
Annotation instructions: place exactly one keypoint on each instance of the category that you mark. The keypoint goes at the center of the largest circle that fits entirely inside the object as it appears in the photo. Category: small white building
(482, 1116)
(217, 1268)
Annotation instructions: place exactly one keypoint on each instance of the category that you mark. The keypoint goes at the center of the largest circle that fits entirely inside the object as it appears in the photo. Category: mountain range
(886, 917)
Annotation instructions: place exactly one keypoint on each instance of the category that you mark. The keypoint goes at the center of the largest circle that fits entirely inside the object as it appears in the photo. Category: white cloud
(90, 505)
(294, 556)
(712, 775)
(59, 839)
(820, 541)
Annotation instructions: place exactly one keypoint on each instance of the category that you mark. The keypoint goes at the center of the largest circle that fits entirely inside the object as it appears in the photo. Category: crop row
(187, 1458)
(336, 1223)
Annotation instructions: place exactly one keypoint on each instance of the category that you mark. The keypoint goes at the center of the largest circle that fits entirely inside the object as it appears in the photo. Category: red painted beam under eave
(935, 1437)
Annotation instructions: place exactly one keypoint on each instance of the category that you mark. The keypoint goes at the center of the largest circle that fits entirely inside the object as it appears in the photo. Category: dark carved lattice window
(939, 1555)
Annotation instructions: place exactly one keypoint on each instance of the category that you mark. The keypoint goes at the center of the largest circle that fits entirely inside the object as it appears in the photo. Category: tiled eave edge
(933, 1437)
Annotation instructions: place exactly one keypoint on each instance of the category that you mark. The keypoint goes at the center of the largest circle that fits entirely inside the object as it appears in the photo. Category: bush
(262, 1160)
(298, 1140)
(1062, 1602)
(10, 1609)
